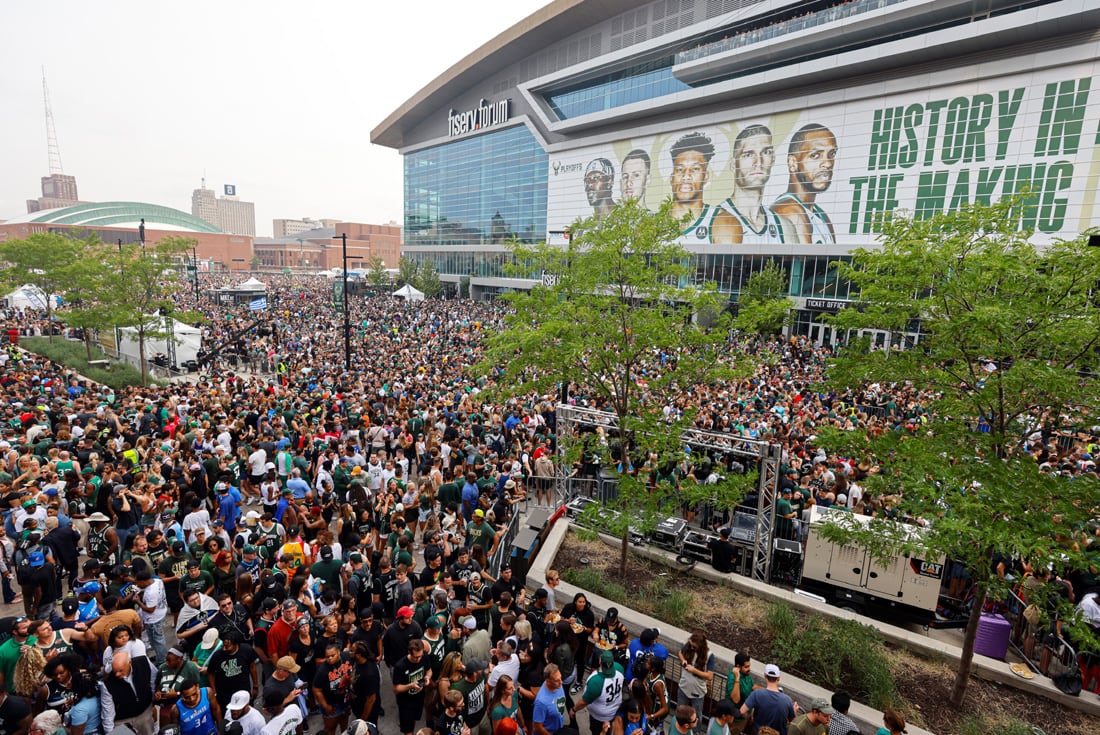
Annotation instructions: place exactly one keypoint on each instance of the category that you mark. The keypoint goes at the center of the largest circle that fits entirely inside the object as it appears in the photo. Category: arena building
(122, 221)
(781, 129)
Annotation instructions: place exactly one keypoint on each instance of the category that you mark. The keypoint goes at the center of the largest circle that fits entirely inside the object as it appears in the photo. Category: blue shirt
(550, 708)
(86, 713)
(470, 494)
(299, 486)
(198, 720)
(636, 653)
(280, 509)
(228, 512)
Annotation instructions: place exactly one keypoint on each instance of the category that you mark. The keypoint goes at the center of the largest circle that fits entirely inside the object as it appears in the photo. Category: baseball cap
(822, 705)
(479, 512)
(469, 623)
(607, 661)
(286, 663)
(612, 613)
(434, 622)
(405, 612)
(475, 666)
(239, 700)
(326, 552)
(36, 558)
(772, 671)
(248, 549)
(89, 588)
(92, 564)
(355, 556)
(269, 603)
(193, 564)
(178, 547)
(69, 605)
(209, 639)
(30, 502)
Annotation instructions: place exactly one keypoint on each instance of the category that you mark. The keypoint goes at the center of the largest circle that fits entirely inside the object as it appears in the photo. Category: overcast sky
(277, 97)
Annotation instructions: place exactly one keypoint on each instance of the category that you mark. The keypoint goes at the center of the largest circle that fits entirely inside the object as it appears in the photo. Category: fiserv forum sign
(827, 174)
(485, 115)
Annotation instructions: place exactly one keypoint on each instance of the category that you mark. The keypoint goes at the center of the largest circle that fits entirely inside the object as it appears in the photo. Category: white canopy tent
(252, 284)
(188, 341)
(26, 296)
(408, 293)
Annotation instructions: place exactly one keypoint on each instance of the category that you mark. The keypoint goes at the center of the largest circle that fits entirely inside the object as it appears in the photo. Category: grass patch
(982, 725)
(74, 355)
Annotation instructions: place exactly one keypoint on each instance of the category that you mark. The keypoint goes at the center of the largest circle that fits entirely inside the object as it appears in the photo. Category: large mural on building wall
(827, 175)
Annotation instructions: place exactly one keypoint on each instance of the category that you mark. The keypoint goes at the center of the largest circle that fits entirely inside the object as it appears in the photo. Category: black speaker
(1094, 241)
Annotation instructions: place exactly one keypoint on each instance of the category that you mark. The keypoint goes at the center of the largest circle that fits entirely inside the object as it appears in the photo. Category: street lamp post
(347, 323)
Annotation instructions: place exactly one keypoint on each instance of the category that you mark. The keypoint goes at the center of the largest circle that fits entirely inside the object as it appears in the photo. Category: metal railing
(504, 546)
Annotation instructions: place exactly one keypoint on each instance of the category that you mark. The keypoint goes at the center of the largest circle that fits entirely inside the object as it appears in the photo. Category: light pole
(347, 323)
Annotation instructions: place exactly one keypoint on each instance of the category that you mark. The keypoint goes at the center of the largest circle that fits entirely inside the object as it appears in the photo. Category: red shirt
(278, 639)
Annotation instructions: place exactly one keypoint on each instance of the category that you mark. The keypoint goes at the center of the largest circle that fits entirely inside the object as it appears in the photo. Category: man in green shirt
(196, 579)
(9, 652)
(328, 570)
(172, 676)
(480, 532)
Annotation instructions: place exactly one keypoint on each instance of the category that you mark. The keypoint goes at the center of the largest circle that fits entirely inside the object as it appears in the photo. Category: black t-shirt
(12, 712)
(447, 725)
(126, 518)
(395, 641)
(368, 681)
(335, 681)
(232, 671)
(276, 691)
(721, 554)
(407, 672)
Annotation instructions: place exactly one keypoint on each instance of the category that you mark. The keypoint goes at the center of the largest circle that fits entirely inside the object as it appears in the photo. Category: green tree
(464, 287)
(45, 260)
(764, 306)
(427, 280)
(89, 284)
(376, 273)
(406, 271)
(1008, 349)
(143, 288)
(254, 263)
(612, 318)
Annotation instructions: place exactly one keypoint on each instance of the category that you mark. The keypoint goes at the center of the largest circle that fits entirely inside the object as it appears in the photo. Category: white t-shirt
(153, 596)
(285, 723)
(252, 723)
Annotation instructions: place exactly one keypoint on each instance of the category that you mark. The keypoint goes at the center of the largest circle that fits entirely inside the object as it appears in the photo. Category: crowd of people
(239, 550)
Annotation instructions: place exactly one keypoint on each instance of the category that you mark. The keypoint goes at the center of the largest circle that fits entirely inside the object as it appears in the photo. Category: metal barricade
(504, 546)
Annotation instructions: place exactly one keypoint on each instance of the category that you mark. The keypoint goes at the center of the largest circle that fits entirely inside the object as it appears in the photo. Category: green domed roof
(101, 214)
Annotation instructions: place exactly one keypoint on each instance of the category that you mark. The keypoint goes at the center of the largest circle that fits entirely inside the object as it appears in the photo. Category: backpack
(361, 587)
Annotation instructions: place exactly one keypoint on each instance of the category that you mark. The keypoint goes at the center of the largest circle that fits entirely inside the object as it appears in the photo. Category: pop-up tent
(408, 293)
(188, 341)
(252, 284)
(27, 296)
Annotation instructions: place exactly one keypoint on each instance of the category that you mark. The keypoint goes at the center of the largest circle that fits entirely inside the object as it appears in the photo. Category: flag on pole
(258, 304)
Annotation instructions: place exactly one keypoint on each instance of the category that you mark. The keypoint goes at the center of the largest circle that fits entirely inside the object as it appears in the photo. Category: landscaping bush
(982, 725)
(837, 654)
(74, 355)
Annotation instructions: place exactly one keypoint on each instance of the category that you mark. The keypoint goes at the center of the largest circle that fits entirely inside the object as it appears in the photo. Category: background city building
(228, 213)
(855, 109)
(58, 190)
(321, 248)
(292, 227)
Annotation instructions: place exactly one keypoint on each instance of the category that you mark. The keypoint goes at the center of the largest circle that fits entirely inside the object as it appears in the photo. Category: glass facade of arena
(481, 190)
(636, 84)
(810, 275)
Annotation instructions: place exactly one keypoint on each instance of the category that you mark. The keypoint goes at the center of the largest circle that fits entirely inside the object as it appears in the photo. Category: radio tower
(51, 133)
